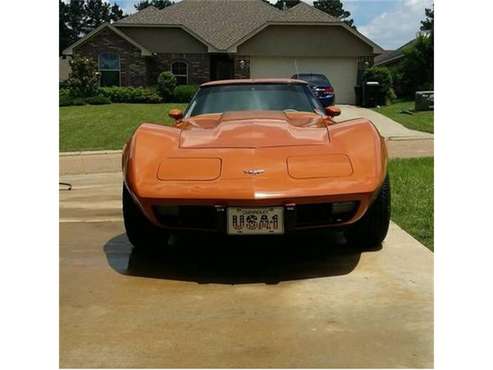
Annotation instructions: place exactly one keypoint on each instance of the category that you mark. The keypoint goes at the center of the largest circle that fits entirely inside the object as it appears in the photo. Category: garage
(342, 72)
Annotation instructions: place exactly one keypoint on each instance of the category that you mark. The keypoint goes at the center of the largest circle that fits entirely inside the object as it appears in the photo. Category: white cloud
(395, 27)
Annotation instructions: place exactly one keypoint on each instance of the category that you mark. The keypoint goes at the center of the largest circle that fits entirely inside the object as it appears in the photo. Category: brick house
(203, 40)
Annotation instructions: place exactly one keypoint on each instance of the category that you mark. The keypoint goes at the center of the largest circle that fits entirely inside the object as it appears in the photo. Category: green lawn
(412, 197)
(97, 127)
(421, 121)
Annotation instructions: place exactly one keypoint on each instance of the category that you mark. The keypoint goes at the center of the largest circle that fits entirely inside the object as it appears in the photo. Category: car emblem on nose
(253, 171)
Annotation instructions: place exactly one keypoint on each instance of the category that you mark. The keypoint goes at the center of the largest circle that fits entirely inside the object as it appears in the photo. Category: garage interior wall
(342, 72)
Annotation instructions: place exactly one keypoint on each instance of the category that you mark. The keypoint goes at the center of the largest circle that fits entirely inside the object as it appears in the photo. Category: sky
(390, 23)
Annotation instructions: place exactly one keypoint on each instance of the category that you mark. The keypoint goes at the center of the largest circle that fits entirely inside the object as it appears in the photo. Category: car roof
(255, 81)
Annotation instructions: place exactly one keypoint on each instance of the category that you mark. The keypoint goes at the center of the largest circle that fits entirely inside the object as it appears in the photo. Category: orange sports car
(251, 157)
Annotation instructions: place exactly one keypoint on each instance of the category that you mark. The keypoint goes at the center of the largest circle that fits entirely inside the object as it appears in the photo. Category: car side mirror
(176, 114)
(332, 111)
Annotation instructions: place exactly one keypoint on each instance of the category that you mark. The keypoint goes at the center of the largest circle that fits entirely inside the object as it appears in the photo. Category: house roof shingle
(222, 23)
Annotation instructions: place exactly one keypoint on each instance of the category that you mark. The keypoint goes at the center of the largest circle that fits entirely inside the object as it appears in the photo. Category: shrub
(83, 78)
(65, 100)
(63, 84)
(184, 93)
(98, 100)
(130, 94)
(166, 83)
(78, 101)
(64, 92)
(383, 76)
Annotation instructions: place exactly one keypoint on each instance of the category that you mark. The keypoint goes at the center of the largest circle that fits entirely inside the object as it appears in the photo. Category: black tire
(369, 231)
(140, 231)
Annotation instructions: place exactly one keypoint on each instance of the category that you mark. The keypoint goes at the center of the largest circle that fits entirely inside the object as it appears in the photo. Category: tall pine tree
(281, 4)
(336, 9)
(160, 4)
(79, 17)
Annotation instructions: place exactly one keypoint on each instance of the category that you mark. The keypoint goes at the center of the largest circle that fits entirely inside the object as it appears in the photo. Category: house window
(180, 70)
(109, 67)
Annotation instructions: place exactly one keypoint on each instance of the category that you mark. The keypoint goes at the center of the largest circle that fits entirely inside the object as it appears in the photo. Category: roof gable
(69, 50)
(224, 24)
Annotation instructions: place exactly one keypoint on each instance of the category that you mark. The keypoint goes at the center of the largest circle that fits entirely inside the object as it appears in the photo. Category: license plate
(268, 220)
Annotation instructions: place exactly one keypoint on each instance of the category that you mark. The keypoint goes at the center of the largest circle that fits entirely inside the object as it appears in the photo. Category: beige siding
(165, 40)
(308, 41)
(342, 72)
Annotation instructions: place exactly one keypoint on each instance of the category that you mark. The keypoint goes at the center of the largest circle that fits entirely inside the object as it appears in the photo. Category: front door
(222, 67)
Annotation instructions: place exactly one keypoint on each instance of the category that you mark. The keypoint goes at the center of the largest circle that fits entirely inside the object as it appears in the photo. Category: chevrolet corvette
(256, 157)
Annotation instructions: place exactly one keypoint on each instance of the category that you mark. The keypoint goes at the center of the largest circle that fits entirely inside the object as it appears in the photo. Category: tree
(416, 70)
(280, 4)
(160, 4)
(71, 21)
(78, 17)
(65, 38)
(428, 23)
(83, 78)
(336, 9)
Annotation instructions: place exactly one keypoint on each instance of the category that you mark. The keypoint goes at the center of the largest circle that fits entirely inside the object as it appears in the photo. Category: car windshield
(246, 97)
(315, 79)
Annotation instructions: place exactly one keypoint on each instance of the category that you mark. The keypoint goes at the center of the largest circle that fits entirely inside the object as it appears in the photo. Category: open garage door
(342, 72)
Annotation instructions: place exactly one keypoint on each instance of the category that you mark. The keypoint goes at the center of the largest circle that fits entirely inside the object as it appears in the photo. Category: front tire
(369, 231)
(140, 231)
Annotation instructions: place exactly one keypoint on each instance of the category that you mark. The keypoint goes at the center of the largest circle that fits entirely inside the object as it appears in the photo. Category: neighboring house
(391, 58)
(202, 40)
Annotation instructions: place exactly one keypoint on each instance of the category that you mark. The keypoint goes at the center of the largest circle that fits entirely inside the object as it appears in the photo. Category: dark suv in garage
(320, 85)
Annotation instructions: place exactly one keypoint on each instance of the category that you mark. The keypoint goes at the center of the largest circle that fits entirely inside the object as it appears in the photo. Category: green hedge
(130, 94)
(116, 94)
(98, 100)
(78, 101)
(65, 100)
(184, 93)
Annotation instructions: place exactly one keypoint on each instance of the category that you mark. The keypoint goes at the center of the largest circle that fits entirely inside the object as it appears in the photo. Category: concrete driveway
(303, 302)
(388, 128)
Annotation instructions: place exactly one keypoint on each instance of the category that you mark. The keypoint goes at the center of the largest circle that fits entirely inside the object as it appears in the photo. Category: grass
(421, 121)
(98, 127)
(412, 197)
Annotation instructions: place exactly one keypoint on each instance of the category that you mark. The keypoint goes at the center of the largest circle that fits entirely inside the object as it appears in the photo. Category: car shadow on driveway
(205, 259)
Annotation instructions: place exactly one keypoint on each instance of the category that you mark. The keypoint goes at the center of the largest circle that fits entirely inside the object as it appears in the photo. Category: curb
(92, 152)
(410, 138)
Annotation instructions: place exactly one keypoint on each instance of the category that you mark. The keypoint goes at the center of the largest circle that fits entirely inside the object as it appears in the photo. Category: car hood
(253, 130)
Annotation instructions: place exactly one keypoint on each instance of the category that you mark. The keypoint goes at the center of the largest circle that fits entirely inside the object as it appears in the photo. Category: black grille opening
(195, 217)
(325, 213)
